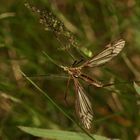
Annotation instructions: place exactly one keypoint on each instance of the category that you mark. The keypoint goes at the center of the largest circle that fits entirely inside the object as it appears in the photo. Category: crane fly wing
(106, 55)
(83, 106)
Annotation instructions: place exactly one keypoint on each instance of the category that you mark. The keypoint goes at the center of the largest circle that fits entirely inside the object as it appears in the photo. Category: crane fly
(82, 103)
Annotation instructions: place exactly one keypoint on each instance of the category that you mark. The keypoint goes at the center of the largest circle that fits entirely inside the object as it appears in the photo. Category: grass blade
(58, 134)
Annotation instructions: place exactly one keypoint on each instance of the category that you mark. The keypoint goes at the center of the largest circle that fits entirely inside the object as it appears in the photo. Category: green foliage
(58, 134)
(74, 30)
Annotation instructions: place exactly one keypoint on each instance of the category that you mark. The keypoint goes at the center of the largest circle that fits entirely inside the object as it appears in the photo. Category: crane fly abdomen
(91, 81)
(73, 71)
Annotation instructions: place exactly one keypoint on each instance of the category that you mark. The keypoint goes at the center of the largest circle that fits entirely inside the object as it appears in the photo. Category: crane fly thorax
(76, 72)
(73, 71)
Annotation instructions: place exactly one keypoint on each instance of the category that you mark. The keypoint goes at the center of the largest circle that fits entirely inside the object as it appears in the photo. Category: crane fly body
(73, 71)
(82, 103)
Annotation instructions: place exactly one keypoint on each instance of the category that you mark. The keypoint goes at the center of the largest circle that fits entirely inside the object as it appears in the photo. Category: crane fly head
(65, 68)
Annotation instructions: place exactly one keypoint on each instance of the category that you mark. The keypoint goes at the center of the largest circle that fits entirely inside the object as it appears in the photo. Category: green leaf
(137, 88)
(59, 134)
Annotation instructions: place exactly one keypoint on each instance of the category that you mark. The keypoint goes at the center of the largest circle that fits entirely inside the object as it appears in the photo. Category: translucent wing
(106, 55)
(83, 106)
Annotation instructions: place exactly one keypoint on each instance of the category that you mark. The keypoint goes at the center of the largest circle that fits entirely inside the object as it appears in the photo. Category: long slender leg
(74, 63)
(99, 84)
(107, 85)
(77, 62)
(66, 91)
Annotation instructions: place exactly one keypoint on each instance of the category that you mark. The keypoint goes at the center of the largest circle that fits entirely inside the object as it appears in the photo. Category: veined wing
(83, 105)
(106, 55)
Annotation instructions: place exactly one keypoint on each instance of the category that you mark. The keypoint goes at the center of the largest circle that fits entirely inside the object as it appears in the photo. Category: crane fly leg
(77, 62)
(66, 91)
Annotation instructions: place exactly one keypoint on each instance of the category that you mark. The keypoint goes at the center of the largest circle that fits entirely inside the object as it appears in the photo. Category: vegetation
(68, 31)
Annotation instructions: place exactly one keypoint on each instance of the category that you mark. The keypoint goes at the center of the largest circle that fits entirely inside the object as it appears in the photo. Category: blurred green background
(94, 24)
